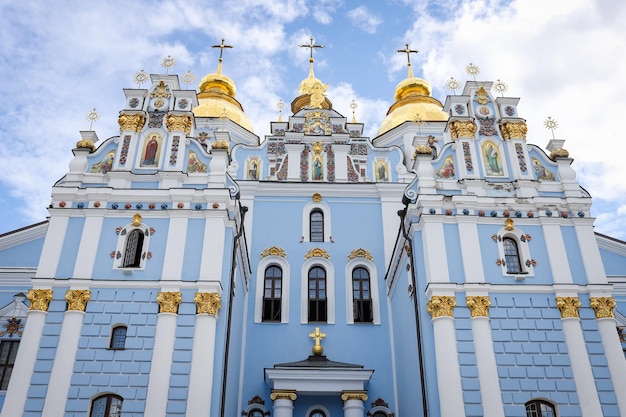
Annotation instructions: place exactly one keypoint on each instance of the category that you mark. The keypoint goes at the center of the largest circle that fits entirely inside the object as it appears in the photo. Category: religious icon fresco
(252, 169)
(151, 151)
(382, 171)
(105, 164)
(447, 169)
(541, 173)
(194, 164)
(492, 159)
(318, 168)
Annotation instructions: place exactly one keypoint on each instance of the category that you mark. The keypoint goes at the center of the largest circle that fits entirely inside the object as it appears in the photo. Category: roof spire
(221, 46)
(408, 53)
(311, 46)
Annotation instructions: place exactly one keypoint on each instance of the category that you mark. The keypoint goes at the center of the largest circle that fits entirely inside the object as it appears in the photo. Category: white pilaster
(159, 382)
(470, 250)
(213, 249)
(63, 367)
(615, 360)
(353, 408)
(589, 252)
(487, 369)
(24, 364)
(51, 251)
(435, 259)
(283, 407)
(202, 363)
(559, 265)
(175, 249)
(88, 247)
(448, 372)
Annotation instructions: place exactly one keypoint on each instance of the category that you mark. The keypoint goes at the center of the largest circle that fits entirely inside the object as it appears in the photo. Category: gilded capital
(568, 306)
(208, 302)
(462, 129)
(354, 395)
(77, 299)
(441, 306)
(169, 301)
(317, 253)
(513, 130)
(603, 307)
(360, 253)
(182, 123)
(478, 305)
(39, 299)
(283, 395)
(273, 251)
(131, 122)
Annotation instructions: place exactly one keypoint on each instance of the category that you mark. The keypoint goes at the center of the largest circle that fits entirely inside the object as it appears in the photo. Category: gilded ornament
(208, 302)
(317, 253)
(354, 395)
(462, 129)
(509, 224)
(137, 220)
(559, 153)
(422, 150)
(39, 299)
(161, 91)
(441, 306)
(182, 123)
(481, 96)
(317, 147)
(220, 144)
(317, 197)
(283, 395)
(86, 144)
(77, 299)
(360, 253)
(478, 305)
(568, 306)
(92, 116)
(317, 336)
(603, 307)
(131, 122)
(513, 130)
(274, 251)
(169, 301)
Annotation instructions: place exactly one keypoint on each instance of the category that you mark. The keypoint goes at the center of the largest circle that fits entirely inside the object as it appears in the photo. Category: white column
(353, 406)
(24, 364)
(175, 249)
(159, 382)
(435, 259)
(470, 249)
(589, 252)
(559, 265)
(63, 366)
(88, 248)
(51, 251)
(283, 403)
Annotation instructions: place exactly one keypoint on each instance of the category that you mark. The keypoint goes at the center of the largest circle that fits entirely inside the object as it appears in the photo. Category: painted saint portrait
(194, 164)
(447, 169)
(318, 171)
(541, 173)
(105, 164)
(253, 169)
(492, 159)
(151, 151)
(382, 171)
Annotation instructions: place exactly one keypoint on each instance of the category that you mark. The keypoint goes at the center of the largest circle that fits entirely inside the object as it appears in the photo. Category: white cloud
(364, 19)
(322, 10)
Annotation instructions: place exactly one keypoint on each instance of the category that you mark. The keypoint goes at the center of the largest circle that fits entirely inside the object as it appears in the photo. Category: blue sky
(58, 60)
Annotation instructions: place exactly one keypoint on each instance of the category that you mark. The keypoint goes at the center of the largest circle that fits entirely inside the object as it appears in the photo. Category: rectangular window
(8, 352)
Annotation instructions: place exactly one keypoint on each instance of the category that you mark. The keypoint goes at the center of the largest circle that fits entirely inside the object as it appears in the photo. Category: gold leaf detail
(131, 122)
(509, 224)
(137, 220)
(513, 130)
(441, 306)
(77, 299)
(220, 144)
(603, 307)
(559, 153)
(360, 253)
(273, 251)
(39, 299)
(283, 395)
(169, 301)
(208, 302)
(317, 253)
(460, 129)
(478, 305)
(317, 197)
(86, 144)
(568, 306)
(354, 395)
(422, 150)
(182, 123)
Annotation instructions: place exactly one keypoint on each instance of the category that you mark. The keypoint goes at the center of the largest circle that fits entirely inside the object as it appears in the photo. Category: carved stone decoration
(481, 96)
(317, 253)
(441, 306)
(39, 299)
(354, 395)
(274, 251)
(478, 305)
(161, 91)
(460, 129)
(77, 299)
(208, 302)
(181, 123)
(131, 122)
(603, 307)
(169, 301)
(317, 197)
(360, 253)
(137, 220)
(278, 394)
(559, 153)
(513, 130)
(568, 306)
(509, 224)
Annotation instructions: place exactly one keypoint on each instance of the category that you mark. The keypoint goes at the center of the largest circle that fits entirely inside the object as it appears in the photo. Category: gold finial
(353, 106)
(222, 46)
(408, 53)
(453, 85)
(500, 87)
(551, 124)
(472, 70)
(167, 63)
(137, 220)
(140, 77)
(317, 197)
(92, 116)
(280, 106)
(317, 335)
(311, 46)
(188, 78)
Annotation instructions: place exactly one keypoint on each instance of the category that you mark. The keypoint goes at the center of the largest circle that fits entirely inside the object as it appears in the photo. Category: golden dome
(217, 99)
(412, 100)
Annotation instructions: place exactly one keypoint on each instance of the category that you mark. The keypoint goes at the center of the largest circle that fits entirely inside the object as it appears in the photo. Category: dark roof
(317, 362)
(23, 228)
(610, 238)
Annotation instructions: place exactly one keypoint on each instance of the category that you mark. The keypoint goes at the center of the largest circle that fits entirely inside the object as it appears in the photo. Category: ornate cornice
(441, 306)
(360, 253)
(208, 302)
(77, 299)
(131, 122)
(568, 306)
(354, 395)
(169, 301)
(317, 253)
(513, 130)
(274, 251)
(39, 299)
(478, 305)
(182, 123)
(283, 395)
(462, 129)
(603, 307)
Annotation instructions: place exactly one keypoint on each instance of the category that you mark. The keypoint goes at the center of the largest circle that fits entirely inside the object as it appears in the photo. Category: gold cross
(222, 46)
(317, 335)
(311, 46)
(408, 52)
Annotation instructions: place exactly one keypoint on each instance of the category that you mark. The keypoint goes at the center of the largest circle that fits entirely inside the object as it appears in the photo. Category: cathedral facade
(447, 267)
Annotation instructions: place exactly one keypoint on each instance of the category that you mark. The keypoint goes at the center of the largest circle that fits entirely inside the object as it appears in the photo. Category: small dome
(311, 93)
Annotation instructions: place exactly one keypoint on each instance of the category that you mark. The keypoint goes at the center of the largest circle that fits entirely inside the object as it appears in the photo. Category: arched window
(108, 405)
(132, 252)
(316, 226)
(317, 294)
(317, 413)
(256, 413)
(118, 338)
(8, 353)
(540, 408)
(361, 296)
(272, 293)
(511, 256)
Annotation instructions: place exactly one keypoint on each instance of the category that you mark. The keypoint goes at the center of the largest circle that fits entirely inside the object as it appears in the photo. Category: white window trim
(121, 247)
(371, 268)
(522, 249)
(306, 221)
(330, 289)
(317, 407)
(260, 289)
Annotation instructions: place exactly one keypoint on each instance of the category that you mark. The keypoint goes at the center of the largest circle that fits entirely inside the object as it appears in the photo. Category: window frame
(275, 302)
(9, 362)
(124, 235)
(318, 302)
(108, 397)
(363, 301)
(260, 288)
(523, 251)
(315, 224)
(511, 253)
(306, 221)
(330, 289)
(112, 341)
(539, 412)
(374, 291)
